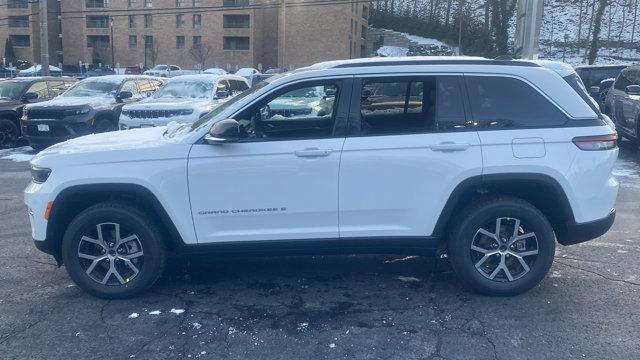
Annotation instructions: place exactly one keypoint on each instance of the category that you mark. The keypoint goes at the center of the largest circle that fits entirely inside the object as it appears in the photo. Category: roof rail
(462, 61)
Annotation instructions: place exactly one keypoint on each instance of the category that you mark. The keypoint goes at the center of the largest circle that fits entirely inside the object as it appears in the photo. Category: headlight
(125, 112)
(78, 111)
(184, 112)
(39, 175)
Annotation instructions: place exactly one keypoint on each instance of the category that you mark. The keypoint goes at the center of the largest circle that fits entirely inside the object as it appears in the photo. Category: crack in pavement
(599, 274)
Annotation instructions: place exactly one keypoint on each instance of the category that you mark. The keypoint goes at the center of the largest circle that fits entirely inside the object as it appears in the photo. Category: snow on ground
(392, 51)
(409, 279)
(21, 154)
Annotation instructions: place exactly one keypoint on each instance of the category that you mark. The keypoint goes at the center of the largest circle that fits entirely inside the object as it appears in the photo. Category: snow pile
(392, 51)
(36, 68)
(21, 154)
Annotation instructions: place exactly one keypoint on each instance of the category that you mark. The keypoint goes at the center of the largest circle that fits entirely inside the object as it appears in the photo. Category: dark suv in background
(15, 93)
(91, 105)
(622, 103)
(598, 79)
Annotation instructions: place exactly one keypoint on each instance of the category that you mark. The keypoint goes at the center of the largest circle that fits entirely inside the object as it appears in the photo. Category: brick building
(222, 33)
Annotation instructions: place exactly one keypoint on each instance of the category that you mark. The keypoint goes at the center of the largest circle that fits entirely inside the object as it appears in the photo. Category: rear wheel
(9, 133)
(113, 250)
(501, 246)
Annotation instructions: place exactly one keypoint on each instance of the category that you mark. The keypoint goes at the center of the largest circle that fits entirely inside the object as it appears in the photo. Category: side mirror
(29, 96)
(223, 94)
(632, 90)
(595, 89)
(224, 131)
(124, 95)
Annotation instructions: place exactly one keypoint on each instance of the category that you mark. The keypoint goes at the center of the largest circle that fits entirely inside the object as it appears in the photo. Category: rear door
(409, 146)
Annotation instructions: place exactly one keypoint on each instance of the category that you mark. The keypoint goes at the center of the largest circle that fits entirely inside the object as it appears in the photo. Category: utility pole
(44, 38)
(113, 56)
(284, 33)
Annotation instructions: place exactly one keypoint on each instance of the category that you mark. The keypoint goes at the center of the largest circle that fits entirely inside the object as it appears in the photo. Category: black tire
(149, 245)
(9, 133)
(466, 232)
(104, 125)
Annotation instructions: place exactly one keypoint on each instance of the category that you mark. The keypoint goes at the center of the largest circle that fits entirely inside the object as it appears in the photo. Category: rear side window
(238, 86)
(411, 105)
(503, 102)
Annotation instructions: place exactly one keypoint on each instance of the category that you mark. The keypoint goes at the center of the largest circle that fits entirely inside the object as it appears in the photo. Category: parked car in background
(256, 79)
(134, 70)
(16, 93)
(101, 71)
(90, 106)
(167, 71)
(215, 71)
(184, 99)
(36, 70)
(408, 156)
(273, 71)
(6, 72)
(593, 76)
(623, 103)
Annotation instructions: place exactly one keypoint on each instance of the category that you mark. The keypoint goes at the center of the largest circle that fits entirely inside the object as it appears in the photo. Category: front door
(280, 182)
(409, 148)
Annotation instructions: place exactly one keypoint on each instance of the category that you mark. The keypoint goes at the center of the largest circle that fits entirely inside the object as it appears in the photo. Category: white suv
(489, 162)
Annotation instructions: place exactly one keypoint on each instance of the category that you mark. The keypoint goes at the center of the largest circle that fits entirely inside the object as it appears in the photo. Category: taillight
(600, 142)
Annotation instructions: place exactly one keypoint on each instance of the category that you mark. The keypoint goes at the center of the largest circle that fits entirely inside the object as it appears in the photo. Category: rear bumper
(581, 232)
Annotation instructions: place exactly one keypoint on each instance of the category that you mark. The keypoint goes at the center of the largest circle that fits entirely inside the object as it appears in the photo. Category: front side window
(11, 89)
(504, 102)
(130, 86)
(39, 88)
(58, 87)
(297, 112)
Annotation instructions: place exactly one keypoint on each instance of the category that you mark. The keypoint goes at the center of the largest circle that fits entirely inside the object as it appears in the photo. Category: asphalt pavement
(326, 307)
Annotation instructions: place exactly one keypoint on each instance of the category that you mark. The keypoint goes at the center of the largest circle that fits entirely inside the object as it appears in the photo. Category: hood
(4, 103)
(146, 144)
(168, 103)
(63, 101)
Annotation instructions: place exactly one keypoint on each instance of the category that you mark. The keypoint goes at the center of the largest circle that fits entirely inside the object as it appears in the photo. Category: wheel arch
(542, 191)
(73, 200)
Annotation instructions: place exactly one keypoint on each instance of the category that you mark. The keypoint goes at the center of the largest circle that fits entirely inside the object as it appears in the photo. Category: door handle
(313, 152)
(449, 146)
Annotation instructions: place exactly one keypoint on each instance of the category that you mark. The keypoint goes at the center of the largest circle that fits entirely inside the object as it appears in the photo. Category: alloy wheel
(110, 254)
(504, 250)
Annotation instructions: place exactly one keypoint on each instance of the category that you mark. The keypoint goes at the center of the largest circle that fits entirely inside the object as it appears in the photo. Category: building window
(363, 32)
(235, 21)
(148, 21)
(148, 41)
(197, 41)
(180, 42)
(180, 3)
(235, 3)
(132, 21)
(132, 3)
(97, 21)
(197, 21)
(197, 3)
(148, 3)
(365, 12)
(97, 41)
(236, 43)
(18, 4)
(19, 21)
(20, 40)
(96, 3)
(180, 21)
(133, 42)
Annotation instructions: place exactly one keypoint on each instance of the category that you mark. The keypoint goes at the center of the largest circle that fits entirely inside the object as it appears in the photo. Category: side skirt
(339, 246)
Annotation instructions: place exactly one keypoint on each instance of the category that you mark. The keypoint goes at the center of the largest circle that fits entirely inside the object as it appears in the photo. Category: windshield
(186, 89)
(160, 67)
(227, 104)
(92, 88)
(11, 89)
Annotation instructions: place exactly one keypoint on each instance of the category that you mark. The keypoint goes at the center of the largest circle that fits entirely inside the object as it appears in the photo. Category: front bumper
(581, 232)
(59, 130)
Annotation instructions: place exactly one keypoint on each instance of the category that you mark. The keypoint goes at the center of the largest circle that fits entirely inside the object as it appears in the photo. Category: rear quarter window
(504, 102)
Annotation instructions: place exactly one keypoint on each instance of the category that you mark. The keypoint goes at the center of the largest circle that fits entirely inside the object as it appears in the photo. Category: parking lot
(363, 307)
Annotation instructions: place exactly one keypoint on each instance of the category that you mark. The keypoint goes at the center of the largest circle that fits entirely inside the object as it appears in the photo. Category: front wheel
(9, 133)
(113, 250)
(501, 246)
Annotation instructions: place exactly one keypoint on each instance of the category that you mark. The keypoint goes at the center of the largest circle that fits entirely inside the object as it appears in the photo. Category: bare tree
(200, 53)
(579, 37)
(597, 25)
(501, 12)
(635, 17)
(152, 52)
